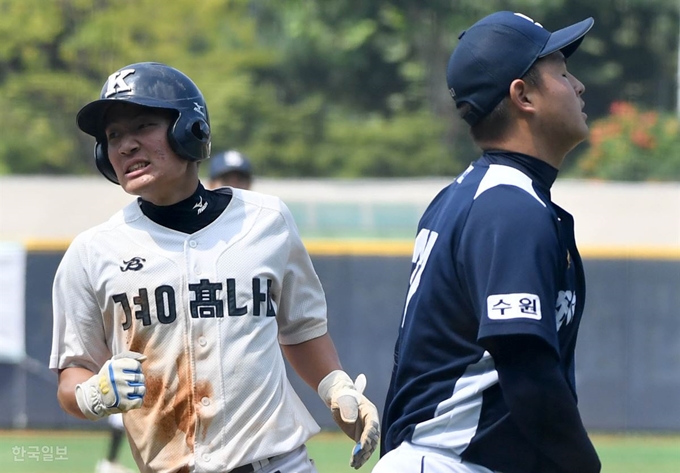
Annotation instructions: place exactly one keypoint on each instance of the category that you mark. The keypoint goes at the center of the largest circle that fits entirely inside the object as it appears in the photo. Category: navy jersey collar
(542, 173)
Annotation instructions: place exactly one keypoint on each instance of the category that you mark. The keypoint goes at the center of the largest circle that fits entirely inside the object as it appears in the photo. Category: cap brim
(90, 118)
(567, 39)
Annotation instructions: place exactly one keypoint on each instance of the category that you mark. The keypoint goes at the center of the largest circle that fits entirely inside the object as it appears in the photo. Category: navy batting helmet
(155, 85)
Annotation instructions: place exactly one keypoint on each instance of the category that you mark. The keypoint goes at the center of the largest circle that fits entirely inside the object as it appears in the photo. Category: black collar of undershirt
(542, 173)
(193, 213)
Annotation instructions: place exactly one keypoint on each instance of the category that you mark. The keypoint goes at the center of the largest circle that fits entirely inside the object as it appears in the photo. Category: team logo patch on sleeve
(513, 306)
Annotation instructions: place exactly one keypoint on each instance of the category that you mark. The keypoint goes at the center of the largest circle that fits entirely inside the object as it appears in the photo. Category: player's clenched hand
(353, 412)
(118, 387)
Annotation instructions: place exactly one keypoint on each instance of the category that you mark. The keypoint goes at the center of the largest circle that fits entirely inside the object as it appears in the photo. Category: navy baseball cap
(498, 49)
(229, 161)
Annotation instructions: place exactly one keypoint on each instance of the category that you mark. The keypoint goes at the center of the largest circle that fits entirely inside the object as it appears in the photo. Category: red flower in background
(642, 139)
(622, 109)
(633, 144)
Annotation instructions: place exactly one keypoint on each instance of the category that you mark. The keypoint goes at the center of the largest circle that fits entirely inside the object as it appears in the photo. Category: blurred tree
(56, 55)
(332, 49)
(630, 54)
(35, 92)
(306, 87)
(358, 58)
(405, 144)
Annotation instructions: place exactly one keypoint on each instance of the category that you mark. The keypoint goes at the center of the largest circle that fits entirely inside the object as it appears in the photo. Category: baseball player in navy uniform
(176, 311)
(483, 379)
(230, 168)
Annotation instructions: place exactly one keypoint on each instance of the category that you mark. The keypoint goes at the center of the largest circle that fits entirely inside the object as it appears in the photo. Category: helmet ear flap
(189, 137)
(101, 159)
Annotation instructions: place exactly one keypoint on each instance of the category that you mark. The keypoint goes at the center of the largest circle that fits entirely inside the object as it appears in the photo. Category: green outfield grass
(619, 453)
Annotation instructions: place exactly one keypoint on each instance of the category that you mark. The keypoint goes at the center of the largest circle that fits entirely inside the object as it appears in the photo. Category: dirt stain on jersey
(172, 406)
(183, 403)
(167, 417)
(137, 338)
(204, 389)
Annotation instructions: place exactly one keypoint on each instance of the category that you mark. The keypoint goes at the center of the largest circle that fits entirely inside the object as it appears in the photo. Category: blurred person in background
(230, 168)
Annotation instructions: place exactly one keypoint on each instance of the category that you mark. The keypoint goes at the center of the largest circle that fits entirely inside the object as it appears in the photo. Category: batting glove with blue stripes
(118, 387)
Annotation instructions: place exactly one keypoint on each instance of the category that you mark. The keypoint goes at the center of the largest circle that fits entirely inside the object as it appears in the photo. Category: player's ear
(522, 96)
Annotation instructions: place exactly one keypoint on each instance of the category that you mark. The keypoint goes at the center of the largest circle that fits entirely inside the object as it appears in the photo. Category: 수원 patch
(513, 306)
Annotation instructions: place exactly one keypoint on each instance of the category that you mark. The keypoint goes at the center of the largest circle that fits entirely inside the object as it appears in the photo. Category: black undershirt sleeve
(541, 403)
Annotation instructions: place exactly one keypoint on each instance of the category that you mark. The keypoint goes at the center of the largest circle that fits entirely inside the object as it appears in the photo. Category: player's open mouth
(136, 167)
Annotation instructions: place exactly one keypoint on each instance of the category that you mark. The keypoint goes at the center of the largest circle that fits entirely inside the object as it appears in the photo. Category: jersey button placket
(202, 341)
(197, 269)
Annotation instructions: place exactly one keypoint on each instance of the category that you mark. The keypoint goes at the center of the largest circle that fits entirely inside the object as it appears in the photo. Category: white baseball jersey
(208, 309)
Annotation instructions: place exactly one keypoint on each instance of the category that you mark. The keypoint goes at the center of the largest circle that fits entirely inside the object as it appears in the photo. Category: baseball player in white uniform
(176, 311)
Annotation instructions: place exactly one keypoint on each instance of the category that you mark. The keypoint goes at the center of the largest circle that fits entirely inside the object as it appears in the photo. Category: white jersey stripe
(462, 409)
(498, 175)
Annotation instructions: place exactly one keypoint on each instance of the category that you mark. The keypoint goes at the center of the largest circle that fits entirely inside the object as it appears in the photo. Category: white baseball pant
(296, 461)
(116, 421)
(409, 458)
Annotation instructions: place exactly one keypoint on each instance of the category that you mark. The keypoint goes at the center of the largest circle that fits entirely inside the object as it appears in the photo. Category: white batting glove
(118, 387)
(353, 412)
